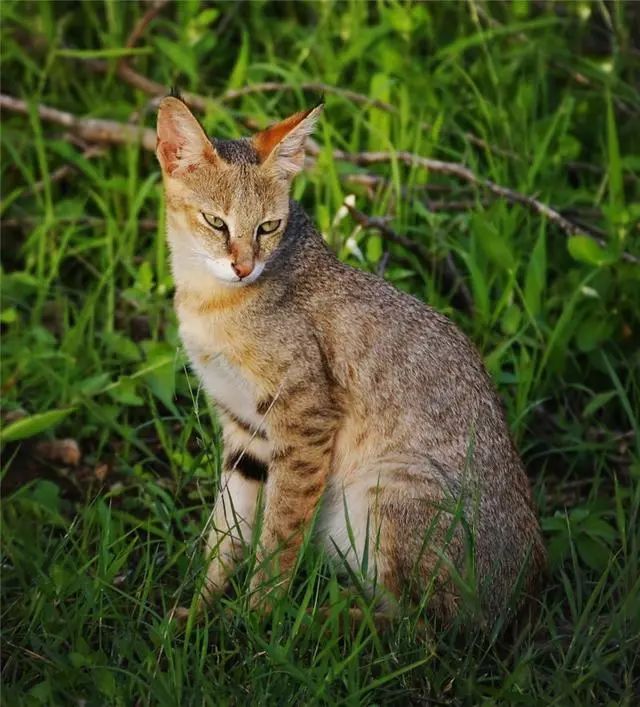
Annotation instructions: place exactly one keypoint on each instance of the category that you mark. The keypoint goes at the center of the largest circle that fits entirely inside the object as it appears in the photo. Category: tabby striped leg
(303, 423)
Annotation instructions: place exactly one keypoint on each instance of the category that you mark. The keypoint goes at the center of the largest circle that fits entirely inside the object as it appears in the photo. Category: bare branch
(91, 129)
(199, 102)
(140, 26)
(114, 132)
(462, 172)
(61, 173)
(315, 86)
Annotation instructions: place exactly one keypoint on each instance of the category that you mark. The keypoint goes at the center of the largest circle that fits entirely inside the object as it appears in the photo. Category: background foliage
(100, 535)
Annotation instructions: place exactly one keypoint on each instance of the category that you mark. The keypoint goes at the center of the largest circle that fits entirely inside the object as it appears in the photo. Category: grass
(95, 556)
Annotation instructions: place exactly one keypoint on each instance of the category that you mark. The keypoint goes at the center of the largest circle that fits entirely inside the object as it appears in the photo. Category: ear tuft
(282, 145)
(182, 144)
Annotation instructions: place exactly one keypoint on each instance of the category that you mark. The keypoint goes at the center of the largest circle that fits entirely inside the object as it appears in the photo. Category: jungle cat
(353, 410)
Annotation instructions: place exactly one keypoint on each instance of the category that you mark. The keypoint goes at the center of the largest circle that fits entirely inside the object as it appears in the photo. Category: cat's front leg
(304, 422)
(232, 519)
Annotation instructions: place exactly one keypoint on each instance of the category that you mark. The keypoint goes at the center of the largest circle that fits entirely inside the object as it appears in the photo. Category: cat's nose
(242, 269)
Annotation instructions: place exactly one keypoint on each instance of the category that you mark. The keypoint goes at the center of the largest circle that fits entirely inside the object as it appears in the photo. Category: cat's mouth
(224, 271)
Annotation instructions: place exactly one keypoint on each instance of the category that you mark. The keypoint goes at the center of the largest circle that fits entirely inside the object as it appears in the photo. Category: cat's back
(402, 363)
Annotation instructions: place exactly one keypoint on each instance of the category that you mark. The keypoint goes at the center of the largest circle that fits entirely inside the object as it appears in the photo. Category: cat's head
(227, 200)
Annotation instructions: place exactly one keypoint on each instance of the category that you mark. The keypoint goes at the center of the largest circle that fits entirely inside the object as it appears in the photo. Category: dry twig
(114, 132)
(61, 173)
(141, 25)
(91, 129)
(463, 173)
(194, 100)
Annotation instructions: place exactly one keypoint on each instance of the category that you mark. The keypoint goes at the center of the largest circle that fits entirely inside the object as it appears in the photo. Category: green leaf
(179, 55)
(121, 346)
(379, 120)
(125, 392)
(592, 332)
(105, 681)
(479, 287)
(108, 53)
(616, 188)
(239, 73)
(592, 553)
(597, 527)
(78, 660)
(492, 242)
(8, 315)
(46, 494)
(41, 692)
(158, 372)
(536, 275)
(511, 319)
(598, 401)
(207, 17)
(93, 385)
(587, 250)
(33, 425)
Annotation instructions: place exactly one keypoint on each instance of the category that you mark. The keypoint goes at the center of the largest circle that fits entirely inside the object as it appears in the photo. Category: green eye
(268, 226)
(215, 222)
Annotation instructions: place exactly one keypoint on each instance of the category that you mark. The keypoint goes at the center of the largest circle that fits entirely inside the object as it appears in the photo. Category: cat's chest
(223, 380)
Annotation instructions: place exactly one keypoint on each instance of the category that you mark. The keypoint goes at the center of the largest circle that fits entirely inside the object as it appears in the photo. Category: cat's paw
(180, 614)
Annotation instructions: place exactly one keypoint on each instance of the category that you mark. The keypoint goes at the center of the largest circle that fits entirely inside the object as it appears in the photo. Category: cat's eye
(215, 222)
(268, 227)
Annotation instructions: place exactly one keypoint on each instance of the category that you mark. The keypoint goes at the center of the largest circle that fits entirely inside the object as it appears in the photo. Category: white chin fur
(221, 269)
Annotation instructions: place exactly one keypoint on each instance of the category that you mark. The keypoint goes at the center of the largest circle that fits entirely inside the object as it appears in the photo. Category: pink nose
(242, 269)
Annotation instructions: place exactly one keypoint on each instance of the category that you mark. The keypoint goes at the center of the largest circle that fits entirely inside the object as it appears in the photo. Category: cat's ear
(281, 146)
(182, 144)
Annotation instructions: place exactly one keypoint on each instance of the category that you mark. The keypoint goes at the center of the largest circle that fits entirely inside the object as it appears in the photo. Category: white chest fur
(222, 380)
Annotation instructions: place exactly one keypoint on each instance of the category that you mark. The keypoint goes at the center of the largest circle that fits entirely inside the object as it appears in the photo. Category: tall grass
(540, 97)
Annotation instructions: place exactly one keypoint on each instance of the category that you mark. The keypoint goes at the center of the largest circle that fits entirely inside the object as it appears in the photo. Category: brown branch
(315, 86)
(354, 97)
(61, 173)
(453, 281)
(140, 26)
(91, 129)
(199, 102)
(374, 181)
(114, 132)
(463, 173)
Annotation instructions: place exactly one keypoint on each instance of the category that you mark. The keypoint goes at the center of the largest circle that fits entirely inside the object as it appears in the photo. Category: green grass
(94, 557)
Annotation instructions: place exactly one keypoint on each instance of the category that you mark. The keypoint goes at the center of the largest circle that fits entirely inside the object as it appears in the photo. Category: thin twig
(375, 181)
(140, 26)
(314, 86)
(453, 280)
(199, 102)
(61, 173)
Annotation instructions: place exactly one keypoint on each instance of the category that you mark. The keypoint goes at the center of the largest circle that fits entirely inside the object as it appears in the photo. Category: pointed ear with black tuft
(281, 146)
(182, 144)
